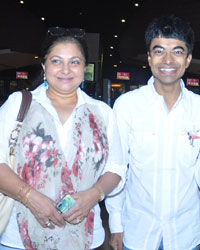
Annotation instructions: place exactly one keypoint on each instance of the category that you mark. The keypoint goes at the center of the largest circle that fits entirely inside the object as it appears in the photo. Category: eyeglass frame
(61, 31)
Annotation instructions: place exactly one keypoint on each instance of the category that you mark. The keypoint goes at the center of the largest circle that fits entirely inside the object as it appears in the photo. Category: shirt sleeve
(120, 112)
(8, 116)
(115, 161)
(114, 204)
(197, 171)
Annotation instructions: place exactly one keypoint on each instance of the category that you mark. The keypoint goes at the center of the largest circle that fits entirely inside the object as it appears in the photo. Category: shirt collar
(152, 95)
(39, 94)
(81, 97)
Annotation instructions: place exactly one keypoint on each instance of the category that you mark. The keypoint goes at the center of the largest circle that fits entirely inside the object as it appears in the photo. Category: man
(160, 133)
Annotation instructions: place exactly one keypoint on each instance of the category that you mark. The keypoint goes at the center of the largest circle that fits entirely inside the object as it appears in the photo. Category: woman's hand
(85, 201)
(44, 210)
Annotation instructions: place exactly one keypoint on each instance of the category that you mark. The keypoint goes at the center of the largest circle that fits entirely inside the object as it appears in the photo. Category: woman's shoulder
(9, 110)
(13, 101)
(99, 107)
(93, 101)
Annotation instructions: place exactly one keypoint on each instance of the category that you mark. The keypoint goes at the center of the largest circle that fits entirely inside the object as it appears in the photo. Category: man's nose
(168, 57)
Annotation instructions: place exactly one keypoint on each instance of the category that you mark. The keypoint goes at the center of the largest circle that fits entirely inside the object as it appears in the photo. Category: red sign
(192, 82)
(123, 75)
(21, 75)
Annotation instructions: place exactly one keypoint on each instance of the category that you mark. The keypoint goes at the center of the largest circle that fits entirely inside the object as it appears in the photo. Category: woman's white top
(8, 114)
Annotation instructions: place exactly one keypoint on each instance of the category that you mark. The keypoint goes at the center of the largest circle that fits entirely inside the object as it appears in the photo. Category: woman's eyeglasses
(59, 31)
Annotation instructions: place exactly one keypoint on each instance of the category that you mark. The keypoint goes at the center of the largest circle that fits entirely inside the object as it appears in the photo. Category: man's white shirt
(161, 197)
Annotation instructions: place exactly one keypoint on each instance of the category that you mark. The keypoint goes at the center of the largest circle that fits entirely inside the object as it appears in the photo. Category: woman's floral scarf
(42, 164)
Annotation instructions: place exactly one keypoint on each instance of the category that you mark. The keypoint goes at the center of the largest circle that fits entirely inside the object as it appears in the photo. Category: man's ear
(188, 60)
(149, 58)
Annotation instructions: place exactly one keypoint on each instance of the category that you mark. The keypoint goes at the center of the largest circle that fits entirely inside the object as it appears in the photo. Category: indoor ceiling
(12, 59)
(22, 29)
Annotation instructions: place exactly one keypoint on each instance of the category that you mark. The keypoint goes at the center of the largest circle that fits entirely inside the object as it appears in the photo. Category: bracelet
(101, 193)
(27, 196)
(19, 195)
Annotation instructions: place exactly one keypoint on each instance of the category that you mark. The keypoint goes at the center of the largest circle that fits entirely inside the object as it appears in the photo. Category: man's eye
(158, 52)
(178, 52)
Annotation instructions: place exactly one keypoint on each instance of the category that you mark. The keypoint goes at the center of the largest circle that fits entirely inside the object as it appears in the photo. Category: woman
(68, 144)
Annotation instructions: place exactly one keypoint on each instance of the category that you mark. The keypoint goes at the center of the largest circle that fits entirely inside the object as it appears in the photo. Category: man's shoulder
(193, 96)
(133, 95)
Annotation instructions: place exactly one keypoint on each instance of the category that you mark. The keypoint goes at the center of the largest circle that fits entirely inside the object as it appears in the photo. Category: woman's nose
(66, 68)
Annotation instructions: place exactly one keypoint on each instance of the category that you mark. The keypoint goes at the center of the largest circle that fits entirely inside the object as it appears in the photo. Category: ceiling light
(136, 4)
(116, 85)
(123, 20)
(22, 2)
(42, 18)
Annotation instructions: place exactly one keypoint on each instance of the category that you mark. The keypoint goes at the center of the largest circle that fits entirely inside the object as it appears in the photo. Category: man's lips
(167, 70)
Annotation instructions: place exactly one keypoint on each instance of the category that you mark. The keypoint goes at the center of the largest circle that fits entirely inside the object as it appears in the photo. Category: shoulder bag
(6, 203)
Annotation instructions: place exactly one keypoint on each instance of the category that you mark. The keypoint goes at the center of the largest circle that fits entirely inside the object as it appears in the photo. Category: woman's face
(64, 68)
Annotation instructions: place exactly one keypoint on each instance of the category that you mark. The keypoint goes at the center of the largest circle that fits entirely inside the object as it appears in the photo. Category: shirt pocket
(142, 143)
(189, 144)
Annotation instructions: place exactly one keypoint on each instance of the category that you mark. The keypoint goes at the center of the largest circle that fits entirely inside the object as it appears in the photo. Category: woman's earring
(45, 83)
(82, 84)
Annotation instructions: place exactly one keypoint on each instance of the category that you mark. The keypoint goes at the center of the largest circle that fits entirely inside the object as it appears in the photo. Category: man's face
(168, 59)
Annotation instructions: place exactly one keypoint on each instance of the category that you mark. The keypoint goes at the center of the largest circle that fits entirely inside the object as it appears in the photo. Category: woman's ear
(43, 66)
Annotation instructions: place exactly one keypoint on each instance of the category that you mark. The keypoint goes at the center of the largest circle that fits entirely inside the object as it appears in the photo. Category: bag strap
(25, 104)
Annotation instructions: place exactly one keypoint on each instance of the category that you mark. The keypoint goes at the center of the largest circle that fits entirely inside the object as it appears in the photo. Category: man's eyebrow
(158, 47)
(161, 47)
(178, 47)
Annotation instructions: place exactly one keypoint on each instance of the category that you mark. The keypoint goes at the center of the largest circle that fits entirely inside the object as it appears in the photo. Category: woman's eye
(75, 62)
(55, 61)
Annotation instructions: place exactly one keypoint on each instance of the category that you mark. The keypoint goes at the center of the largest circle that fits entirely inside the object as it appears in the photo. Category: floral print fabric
(42, 164)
